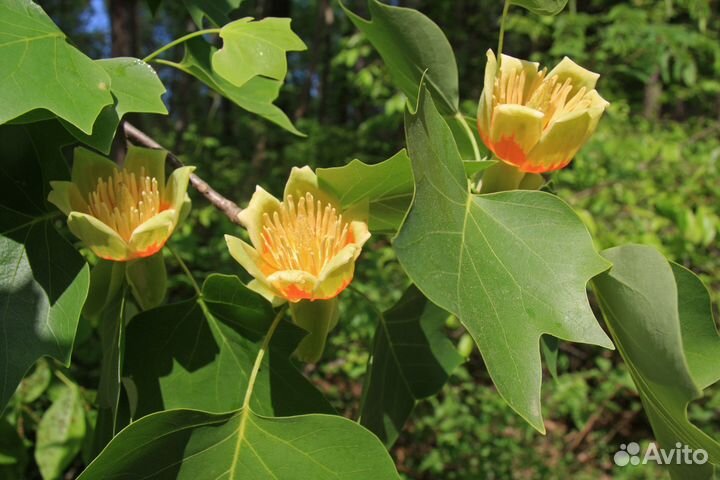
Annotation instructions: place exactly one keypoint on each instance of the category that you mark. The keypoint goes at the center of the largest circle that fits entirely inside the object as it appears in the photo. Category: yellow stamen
(544, 94)
(124, 201)
(303, 235)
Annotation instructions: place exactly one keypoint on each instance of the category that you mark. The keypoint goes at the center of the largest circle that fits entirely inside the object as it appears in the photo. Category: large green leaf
(60, 433)
(182, 355)
(412, 358)
(188, 444)
(511, 266)
(112, 339)
(251, 48)
(255, 96)
(386, 186)
(542, 7)
(42, 71)
(412, 45)
(43, 280)
(661, 320)
(136, 88)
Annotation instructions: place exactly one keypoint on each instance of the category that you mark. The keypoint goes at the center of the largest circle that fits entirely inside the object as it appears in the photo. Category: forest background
(649, 175)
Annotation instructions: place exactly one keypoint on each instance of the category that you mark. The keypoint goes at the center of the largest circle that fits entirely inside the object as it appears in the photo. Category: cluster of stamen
(124, 200)
(547, 95)
(303, 235)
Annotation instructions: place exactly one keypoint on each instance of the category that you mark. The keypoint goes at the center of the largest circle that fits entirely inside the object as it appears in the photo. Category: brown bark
(225, 205)
(123, 25)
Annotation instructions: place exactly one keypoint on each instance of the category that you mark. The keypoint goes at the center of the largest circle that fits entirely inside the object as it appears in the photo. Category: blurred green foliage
(649, 175)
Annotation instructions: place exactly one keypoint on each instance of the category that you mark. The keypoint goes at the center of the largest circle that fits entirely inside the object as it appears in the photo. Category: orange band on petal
(294, 294)
(150, 251)
(508, 150)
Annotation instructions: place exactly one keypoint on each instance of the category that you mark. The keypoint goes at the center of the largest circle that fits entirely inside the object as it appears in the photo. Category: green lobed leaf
(412, 46)
(255, 96)
(189, 444)
(412, 358)
(42, 71)
(112, 337)
(106, 280)
(660, 318)
(135, 87)
(251, 48)
(60, 433)
(542, 7)
(461, 125)
(501, 263)
(43, 280)
(199, 354)
(386, 186)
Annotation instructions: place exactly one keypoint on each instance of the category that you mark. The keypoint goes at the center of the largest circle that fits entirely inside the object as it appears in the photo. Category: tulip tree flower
(535, 120)
(125, 214)
(303, 251)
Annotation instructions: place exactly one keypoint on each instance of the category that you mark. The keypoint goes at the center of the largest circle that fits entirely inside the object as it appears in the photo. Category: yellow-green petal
(252, 217)
(98, 237)
(523, 125)
(515, 65)
(579, 76)
(269, 293)
(247, 257)
(151, 160)
(151, 235)
(294, 285)
(560, 144)
(360, 232)
(303, 180)
(338, 272)
(485, 105)
(87, 167)
(66, 196)
(176, 188)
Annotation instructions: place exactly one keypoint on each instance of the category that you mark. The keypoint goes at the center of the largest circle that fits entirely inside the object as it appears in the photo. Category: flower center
(125, 200)
(303, 235)
(544, 94)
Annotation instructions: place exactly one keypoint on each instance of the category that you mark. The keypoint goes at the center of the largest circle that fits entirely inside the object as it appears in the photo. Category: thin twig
(228, 207)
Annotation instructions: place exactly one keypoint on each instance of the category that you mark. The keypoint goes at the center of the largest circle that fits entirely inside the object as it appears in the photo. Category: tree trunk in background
(653, 97)
(123, 24)
(123, 27)
(304, 103)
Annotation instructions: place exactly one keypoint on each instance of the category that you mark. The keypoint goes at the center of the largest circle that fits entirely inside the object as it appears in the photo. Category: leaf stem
(178, 41)
(259, 358)
(501, 40)
(185, 269)
(476, 151)
(168, 63)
